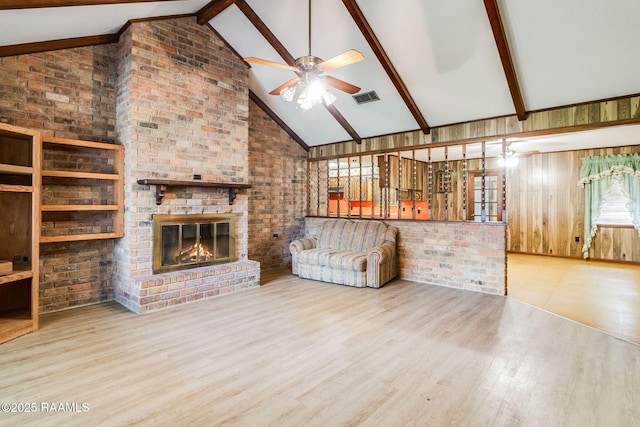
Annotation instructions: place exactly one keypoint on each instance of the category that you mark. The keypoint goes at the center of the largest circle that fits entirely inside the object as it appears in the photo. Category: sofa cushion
(333, 232)
(344, 260)
(348, 260)
(365, 236)
(315, 256)
(347, 235)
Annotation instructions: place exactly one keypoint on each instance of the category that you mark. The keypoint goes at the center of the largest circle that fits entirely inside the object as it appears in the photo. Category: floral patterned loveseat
(346, 252)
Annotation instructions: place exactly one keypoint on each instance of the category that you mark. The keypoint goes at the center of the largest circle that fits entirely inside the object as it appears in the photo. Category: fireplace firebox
(188, 241)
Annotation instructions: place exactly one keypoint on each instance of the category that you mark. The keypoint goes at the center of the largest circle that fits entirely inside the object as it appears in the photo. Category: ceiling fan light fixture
(509, 160)
(313, 92)
(315, 88)
(305, 101)
(289, 92)
(312, 96)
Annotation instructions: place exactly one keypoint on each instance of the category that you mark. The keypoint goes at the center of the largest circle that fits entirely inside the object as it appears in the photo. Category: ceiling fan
(510, 156)
(310, 83)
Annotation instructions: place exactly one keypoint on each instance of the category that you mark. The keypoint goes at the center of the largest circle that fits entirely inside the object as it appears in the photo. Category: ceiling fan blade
(340, 85)
(527, 153)
(270, 63)
(283, 86)
(347, 58)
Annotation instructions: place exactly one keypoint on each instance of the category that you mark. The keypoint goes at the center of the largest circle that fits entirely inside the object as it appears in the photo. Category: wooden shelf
(79, 208)
(10, 188)
(15, 276)
(162, 184)
(115, 187)
(80, 175)
(81, 144)
(79, 237)
(15, 169)
(14, 324)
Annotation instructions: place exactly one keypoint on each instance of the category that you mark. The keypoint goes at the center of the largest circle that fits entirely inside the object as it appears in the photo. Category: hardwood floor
(603, 295)
(302, 353)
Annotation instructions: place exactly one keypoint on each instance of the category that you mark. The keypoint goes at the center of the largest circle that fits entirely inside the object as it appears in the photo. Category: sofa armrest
(298, 246)
(302, 244)
(381, 264)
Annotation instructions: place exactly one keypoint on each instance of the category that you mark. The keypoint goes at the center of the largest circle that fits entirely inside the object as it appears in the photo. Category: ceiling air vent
(363, 98)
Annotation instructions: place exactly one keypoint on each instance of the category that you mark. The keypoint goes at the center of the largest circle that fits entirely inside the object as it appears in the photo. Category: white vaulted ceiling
(444, 53)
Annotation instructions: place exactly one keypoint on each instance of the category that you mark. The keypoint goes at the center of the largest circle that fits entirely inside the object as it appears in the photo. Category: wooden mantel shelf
(162, 184)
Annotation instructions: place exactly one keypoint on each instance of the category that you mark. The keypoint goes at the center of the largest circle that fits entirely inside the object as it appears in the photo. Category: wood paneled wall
(577, 117)
(545, 209)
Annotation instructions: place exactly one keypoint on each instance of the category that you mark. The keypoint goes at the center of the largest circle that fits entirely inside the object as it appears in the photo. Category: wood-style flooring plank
(298, 352)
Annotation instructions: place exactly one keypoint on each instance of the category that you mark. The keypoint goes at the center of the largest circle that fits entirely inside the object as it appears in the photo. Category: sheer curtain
(596, 177)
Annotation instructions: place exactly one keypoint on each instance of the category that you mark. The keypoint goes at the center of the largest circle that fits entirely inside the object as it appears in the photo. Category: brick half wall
(462, 255)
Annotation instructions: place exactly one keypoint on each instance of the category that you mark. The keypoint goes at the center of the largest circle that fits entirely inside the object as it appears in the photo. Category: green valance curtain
(596, 176)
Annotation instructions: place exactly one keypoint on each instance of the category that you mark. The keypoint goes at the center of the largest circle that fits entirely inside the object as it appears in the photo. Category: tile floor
(603, 295)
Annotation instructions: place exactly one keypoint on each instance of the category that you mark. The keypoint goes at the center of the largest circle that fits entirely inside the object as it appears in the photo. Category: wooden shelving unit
(19, 225)
(113, 178)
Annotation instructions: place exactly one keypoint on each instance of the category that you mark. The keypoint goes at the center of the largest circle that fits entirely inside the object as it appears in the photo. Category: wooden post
(430, 186)
(464, 182)
(483, 207)
(446, 183)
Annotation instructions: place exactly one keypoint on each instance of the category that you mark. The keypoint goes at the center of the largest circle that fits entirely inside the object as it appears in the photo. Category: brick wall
(463, 255)
(278, 201)
(73, 274)
(67, 94)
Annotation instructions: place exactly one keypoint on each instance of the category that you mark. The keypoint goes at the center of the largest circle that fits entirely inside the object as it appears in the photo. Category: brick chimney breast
(181, 111)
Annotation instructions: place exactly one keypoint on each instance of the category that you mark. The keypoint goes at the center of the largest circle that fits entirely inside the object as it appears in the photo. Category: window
(614, 210)
(597, 176)
(492, 196)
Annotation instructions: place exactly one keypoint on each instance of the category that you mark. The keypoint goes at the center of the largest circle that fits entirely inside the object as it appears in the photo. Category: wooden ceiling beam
(374, 43)
(70, 43)
(34, 4)
(290, 60)
(212, 9)
(344, 123)
(255, 98)
(497, 27)
(37, 47)
(262, 28)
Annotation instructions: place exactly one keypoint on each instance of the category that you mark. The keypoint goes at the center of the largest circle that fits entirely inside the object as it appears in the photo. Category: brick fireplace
(181, 110)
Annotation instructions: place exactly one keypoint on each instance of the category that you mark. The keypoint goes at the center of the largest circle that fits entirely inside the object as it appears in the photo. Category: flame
(191, 254)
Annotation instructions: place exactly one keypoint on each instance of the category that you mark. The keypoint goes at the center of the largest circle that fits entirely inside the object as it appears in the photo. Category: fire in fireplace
(195, 253)
(188, 241)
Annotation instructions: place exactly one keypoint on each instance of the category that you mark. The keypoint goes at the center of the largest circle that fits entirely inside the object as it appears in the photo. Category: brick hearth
(150, 293)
